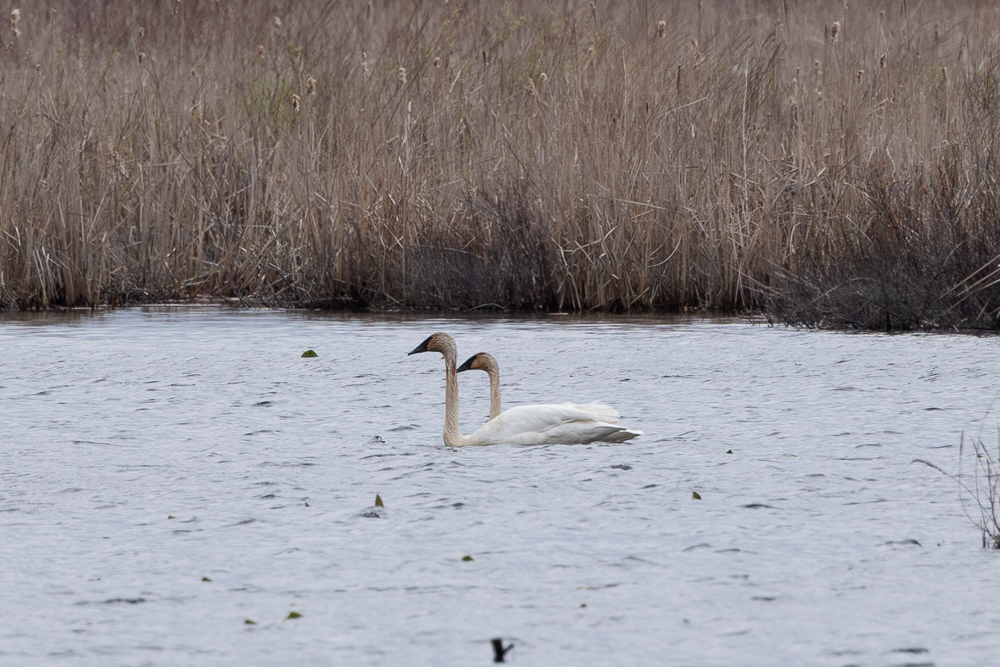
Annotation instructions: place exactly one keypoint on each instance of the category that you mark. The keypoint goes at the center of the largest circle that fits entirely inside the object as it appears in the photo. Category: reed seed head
(661, 28)
(944, 74)
(881, 62)
(142, 56)
(15, 17)
(260, 50)
(277, 22)
(860, 74)
(542, 78)
(402, 76)
(834, 32)
(141, 32)
(816, 67)
(437, 62)
(310, 86)
(486, 58)
(295, 102)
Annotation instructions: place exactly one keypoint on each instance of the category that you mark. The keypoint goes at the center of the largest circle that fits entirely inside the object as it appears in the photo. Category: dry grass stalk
(601, 168)
(980, 495)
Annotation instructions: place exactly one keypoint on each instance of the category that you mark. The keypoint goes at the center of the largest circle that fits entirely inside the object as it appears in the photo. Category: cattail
(661, 28)
(834, 31)
(295, 102)
(141, 32)
(310, 86)
(402, 76)
(859, 75)
(368, 12)
(486, 58)
(437, 62)
(142, 56)
(881, 62)
(15, 16)
(260, 50)
(944, 74)
(694, 44)
(194, 72)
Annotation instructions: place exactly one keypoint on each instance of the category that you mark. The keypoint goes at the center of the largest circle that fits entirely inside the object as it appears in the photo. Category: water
(143, 450)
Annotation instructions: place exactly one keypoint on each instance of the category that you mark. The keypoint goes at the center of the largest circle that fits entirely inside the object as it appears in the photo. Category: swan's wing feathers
(598, 412)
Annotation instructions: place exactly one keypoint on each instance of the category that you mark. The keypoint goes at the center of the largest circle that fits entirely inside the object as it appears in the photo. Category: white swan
(484, 361)
(563, 424)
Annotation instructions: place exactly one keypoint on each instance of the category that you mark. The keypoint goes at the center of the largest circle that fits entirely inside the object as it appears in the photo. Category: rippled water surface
(168, 474)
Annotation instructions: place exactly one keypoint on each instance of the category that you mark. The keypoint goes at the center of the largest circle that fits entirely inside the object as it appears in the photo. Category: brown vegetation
(832, 163)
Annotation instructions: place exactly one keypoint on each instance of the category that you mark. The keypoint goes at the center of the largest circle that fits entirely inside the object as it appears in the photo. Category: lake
(169, 474)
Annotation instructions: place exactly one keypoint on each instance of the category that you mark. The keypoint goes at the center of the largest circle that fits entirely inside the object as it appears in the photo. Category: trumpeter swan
(564, 424)
(484, 361)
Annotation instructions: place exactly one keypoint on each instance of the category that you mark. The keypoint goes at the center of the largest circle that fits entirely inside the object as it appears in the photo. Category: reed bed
(833, 164)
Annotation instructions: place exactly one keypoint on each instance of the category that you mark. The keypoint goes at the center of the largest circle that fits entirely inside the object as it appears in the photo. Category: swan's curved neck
(452, 435)
(494, 373)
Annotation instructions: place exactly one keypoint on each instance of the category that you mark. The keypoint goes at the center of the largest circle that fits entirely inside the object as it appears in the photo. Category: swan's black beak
(467, 366)
(422, 347)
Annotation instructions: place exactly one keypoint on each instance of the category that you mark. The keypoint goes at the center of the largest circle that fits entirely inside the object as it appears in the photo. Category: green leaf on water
(729, 452)
(695, 495)
(249, 621)
(205, 579)
(170, 516)
(378, 501)
(307, 504)
(293, 614)
(583, 604)
(465, 558)
(310, 353)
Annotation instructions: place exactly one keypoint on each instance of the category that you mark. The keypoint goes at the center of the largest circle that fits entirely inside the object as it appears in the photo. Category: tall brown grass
(798, 155)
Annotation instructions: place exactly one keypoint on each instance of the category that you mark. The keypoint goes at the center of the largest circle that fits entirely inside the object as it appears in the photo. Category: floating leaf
(378, 501)
(249, 621)
(582, 605)
(293, 614)
(729, 451)
(695, 495)
(171, 516)
(205, 579)
(464, 558)
(307, 504)
(310, 353)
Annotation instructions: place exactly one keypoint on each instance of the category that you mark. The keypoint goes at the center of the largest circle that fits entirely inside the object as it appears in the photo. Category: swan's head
(439, 342)
(481, 361)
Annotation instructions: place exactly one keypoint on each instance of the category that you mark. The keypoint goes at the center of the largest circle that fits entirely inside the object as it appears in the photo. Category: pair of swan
(550, 424)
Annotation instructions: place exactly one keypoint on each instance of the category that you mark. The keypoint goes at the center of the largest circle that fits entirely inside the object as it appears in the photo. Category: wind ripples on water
(168, 474)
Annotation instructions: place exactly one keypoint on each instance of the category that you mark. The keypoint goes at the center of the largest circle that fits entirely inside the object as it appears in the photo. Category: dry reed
(821, 162)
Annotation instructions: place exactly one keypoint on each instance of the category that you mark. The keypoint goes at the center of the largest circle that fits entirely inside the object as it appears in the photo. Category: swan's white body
(552, 424)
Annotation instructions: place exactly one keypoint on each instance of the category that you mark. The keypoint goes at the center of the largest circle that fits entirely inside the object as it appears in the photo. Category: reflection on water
(167, 475)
